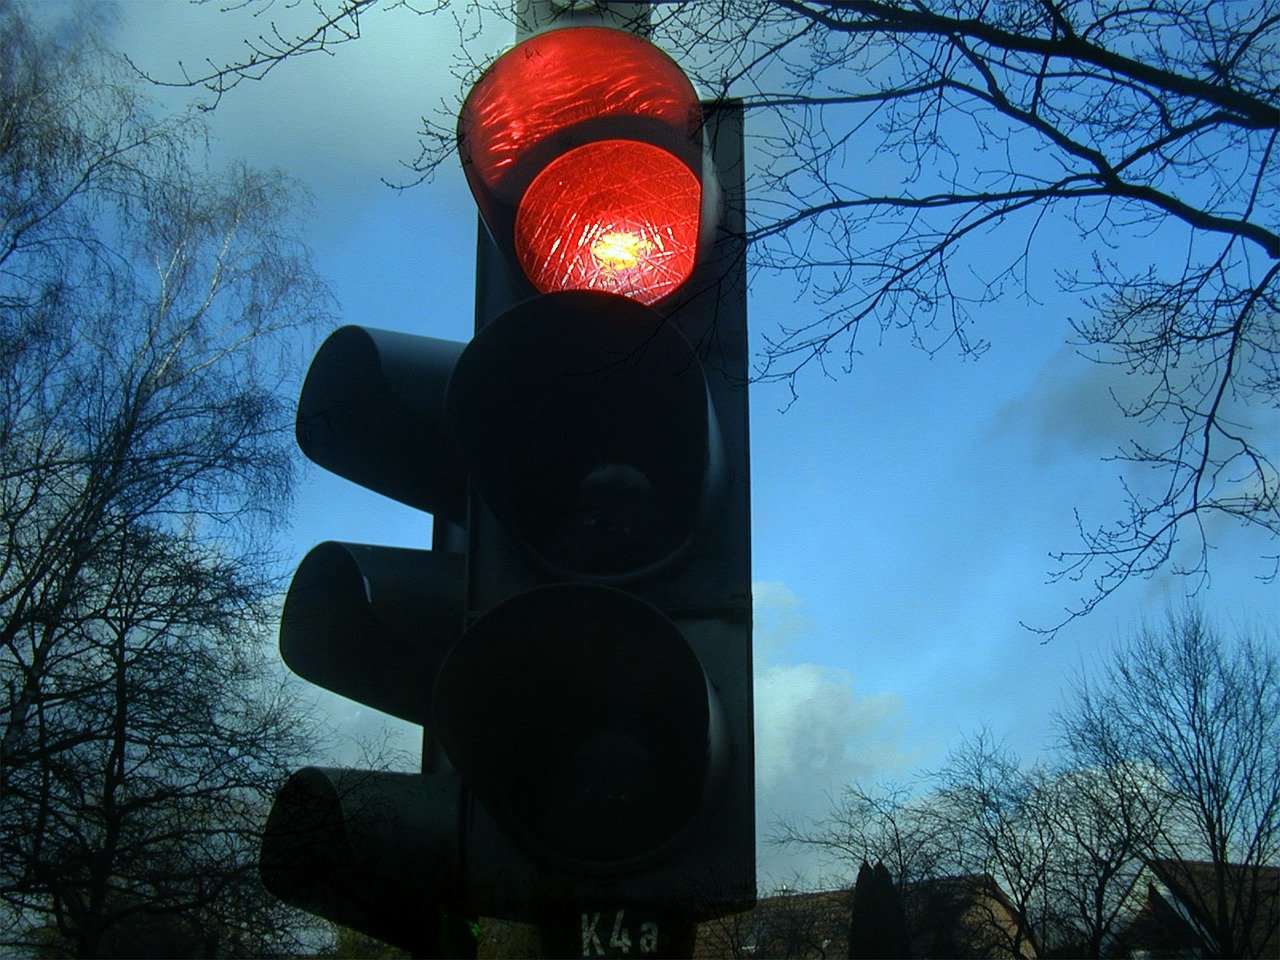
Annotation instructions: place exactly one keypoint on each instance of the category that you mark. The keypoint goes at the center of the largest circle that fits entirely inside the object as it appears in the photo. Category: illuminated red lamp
(583, 149)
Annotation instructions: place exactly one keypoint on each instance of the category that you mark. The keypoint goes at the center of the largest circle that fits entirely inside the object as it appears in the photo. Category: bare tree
(947, 842)
(919, 156)
(1171, 761)
(1146, 130)
(997, 816)
(984, 835)
(888, 824)
(147, 314)
(1186, 725)
(1094, 876)
(1064, 845)
(785, 923)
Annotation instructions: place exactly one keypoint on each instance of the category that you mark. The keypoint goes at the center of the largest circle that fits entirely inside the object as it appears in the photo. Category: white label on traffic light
(620, 942)
(591, 945)
(619, 939)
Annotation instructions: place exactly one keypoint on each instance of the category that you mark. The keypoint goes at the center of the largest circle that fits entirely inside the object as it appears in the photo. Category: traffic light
(577, 644)
(598, 705)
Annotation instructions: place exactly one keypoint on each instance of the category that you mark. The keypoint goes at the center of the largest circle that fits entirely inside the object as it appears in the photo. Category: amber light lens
(618, 216)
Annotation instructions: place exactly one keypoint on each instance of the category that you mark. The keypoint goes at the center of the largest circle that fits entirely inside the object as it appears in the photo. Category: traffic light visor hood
(583, 148)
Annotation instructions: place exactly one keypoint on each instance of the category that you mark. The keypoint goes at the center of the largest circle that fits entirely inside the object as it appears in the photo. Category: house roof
(1250, 897)
(1179, 914)
(965, 915)
(940, 917)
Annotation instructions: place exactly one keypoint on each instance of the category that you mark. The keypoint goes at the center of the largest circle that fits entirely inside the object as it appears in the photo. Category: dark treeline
(148, 308)
(1169, 755)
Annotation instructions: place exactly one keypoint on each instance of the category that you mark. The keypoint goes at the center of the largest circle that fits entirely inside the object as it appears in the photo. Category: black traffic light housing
(603, 648)
(578, 644)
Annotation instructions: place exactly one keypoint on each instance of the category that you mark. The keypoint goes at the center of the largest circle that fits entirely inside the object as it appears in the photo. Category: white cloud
(811, 730)
(1071, 407)
(813, 734)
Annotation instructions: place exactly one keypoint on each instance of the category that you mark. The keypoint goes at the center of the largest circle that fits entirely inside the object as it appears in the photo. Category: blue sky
(903, 513)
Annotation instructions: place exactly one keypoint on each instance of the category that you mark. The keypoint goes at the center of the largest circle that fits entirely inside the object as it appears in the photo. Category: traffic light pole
(532, 16)
(443, 934)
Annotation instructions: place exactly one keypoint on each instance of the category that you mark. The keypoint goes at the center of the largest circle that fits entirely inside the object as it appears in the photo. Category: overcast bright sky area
(903, 513)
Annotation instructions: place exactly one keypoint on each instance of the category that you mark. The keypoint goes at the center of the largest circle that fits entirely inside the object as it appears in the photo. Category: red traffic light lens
(553, 83)
(583, 148)
(618, 216)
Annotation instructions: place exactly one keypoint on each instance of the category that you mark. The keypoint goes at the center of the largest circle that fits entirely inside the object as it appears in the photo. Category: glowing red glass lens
(619, 216)
(554, 81)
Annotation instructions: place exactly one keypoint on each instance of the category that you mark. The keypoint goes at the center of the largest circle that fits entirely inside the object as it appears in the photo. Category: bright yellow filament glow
(620, 250)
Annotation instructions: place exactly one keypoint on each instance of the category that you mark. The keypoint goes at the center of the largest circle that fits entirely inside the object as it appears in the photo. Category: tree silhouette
(143, 457)
(1184, 723)
(877, 923)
